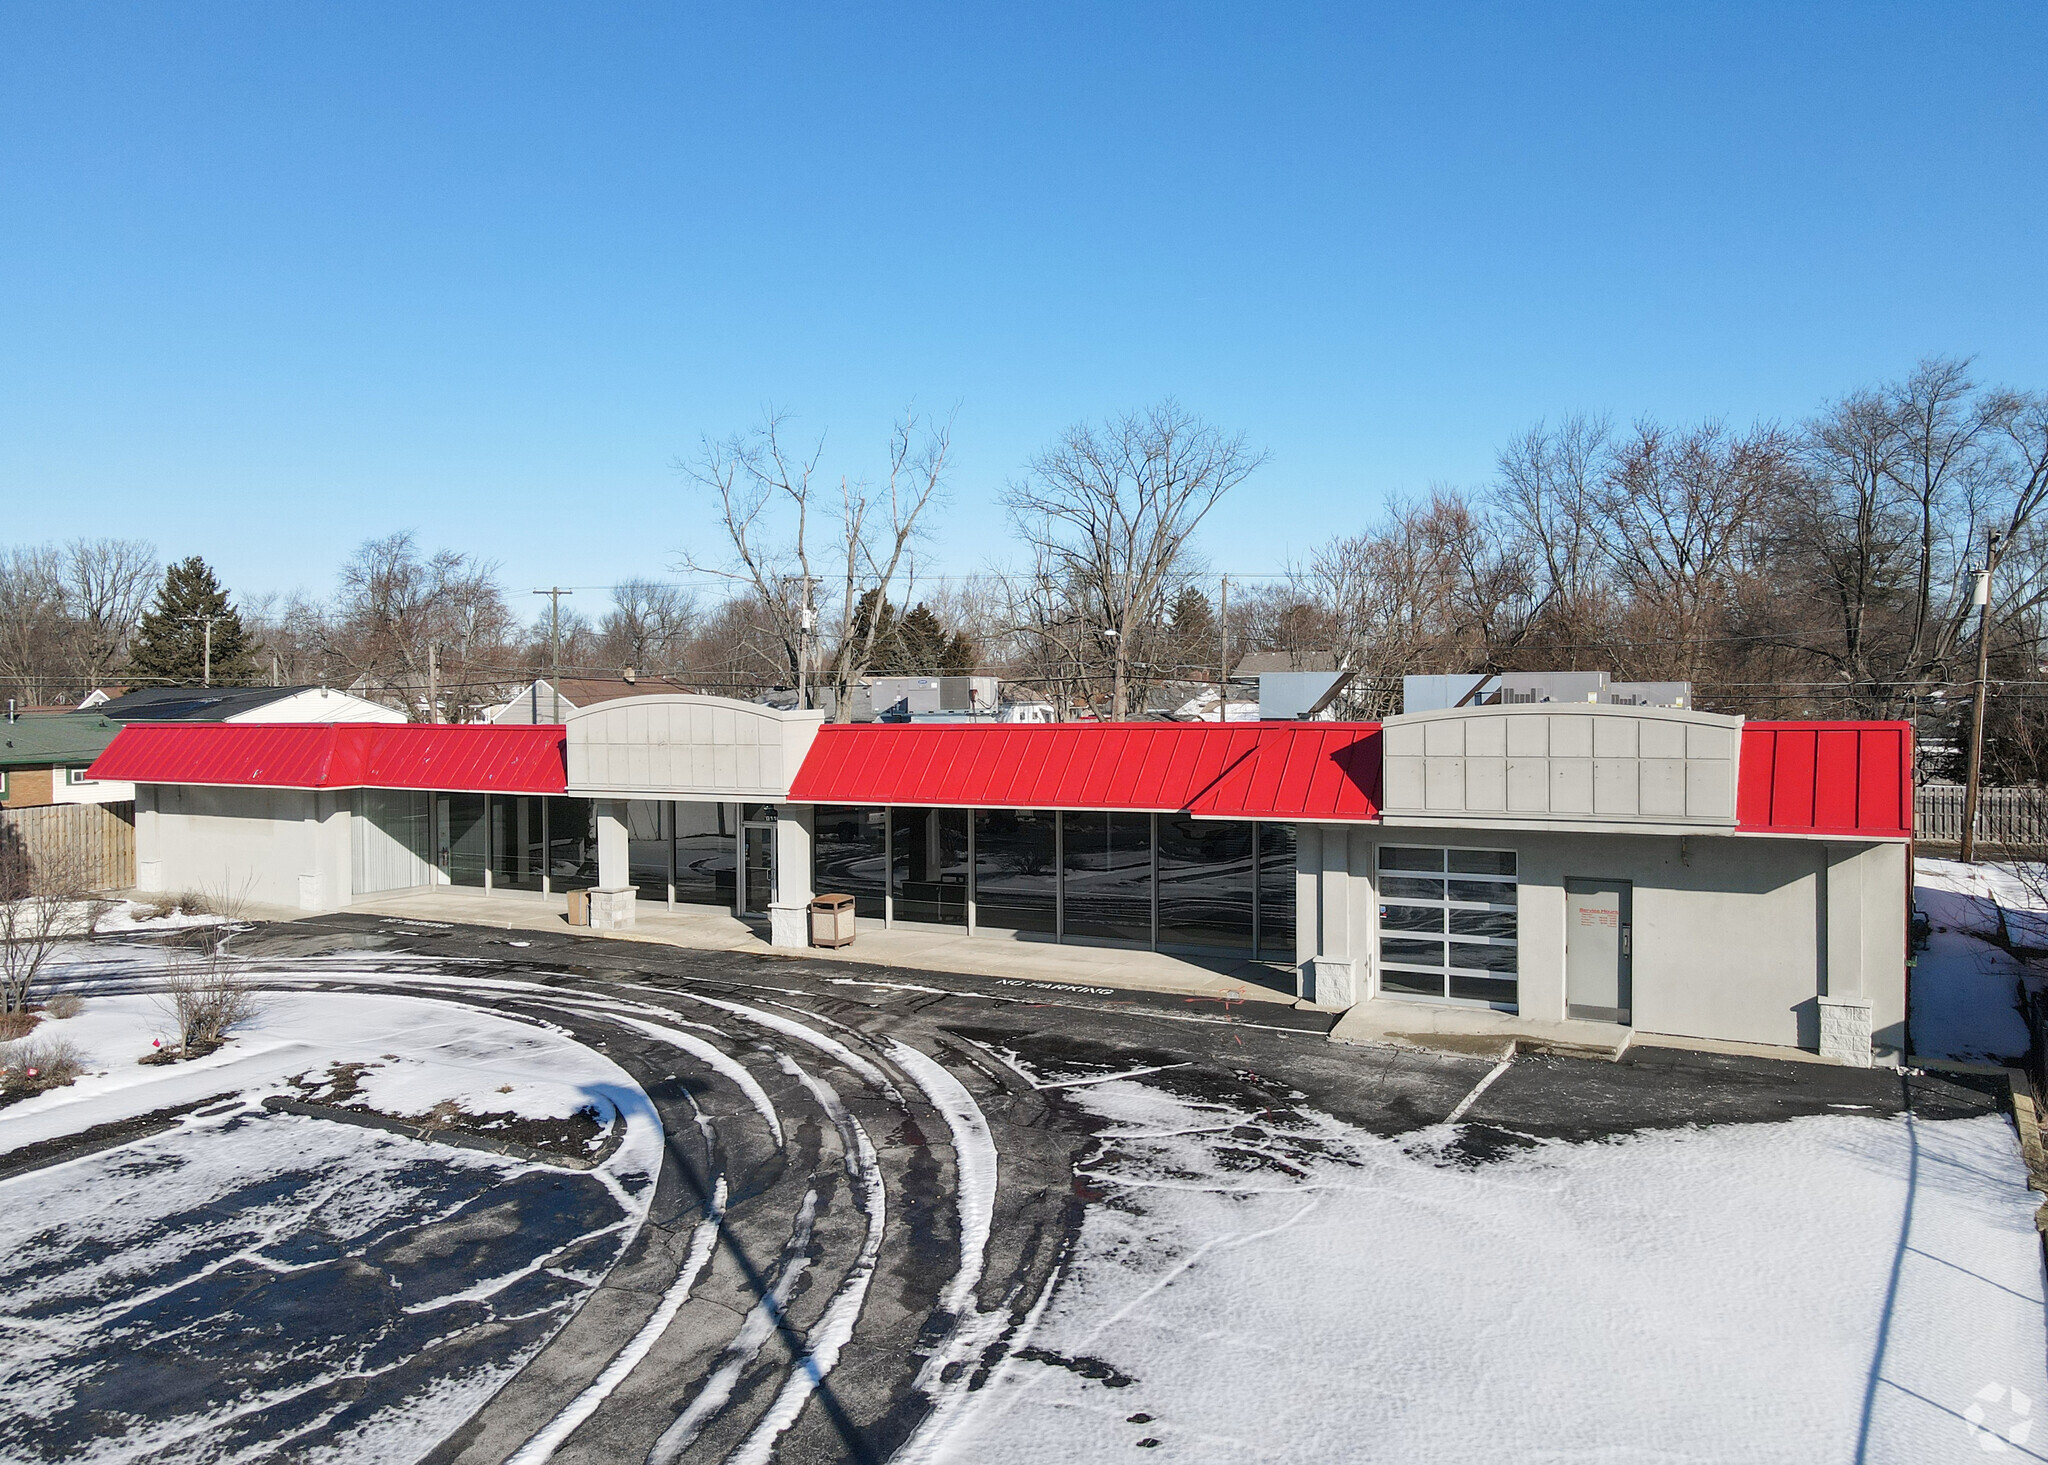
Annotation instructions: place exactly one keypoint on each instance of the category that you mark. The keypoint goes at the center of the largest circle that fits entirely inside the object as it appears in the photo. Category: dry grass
(32, 1065)
(15, 1025)
(63, 1005)
(181, 903)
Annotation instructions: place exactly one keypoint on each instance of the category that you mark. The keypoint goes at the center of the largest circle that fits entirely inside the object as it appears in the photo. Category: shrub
(62, 1005)
(31, 1065)
(207, 999)
(17, 1025)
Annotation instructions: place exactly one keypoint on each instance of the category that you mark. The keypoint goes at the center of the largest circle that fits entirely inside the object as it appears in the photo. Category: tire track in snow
(715, 1058)
(761, 1322)
(830, 1334)
(542, 1446)
(974, 1150)
(790, 1028)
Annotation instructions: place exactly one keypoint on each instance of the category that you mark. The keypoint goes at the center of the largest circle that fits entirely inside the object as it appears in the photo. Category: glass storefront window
(517, 854)
(572, 844)
(1206, 882)
(706, 855)
(1108, 876)
(928, 865)
(757, 867)
(849, 856)
(647, 848)
(1276, 893)
(1016, 870)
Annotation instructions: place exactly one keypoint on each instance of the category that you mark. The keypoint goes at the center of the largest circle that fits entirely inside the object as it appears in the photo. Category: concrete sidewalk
(915, 948)
(1476, 1030)
(1006, 959)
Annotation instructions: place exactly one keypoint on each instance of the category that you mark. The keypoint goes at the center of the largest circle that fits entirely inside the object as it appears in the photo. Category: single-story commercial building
(1675, 871)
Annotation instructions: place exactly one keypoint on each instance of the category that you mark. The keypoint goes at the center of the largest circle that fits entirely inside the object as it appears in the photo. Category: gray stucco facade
(1736, 937)
(1782, 939)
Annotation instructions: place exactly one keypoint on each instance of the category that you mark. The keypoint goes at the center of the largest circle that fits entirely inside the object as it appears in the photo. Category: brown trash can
(832, 920)
(579, 907)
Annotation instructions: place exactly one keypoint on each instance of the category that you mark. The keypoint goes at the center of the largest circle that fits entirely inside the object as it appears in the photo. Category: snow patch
(1268, 1287)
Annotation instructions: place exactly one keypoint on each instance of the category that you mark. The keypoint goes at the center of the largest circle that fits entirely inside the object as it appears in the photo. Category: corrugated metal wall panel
(1849, 778)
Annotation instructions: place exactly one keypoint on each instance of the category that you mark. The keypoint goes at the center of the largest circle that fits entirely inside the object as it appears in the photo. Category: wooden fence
(97, 840)
(2005, 816)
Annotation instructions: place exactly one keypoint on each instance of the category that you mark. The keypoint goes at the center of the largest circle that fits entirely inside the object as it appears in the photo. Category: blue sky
(274, 278)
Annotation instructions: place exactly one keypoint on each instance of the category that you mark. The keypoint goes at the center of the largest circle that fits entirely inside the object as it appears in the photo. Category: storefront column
(789, 912)
(1332, 912)
(149, 863)
(1845, 1008)
(614, 902)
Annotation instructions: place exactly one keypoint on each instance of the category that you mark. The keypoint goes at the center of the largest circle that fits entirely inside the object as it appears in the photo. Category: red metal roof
(1851, 778)
(1277, 770)
(470, 758)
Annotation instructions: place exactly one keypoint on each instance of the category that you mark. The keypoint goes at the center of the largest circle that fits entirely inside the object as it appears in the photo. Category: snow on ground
(1286, 1287)
(124, 917)
(246, 1279)
(1965, 989)
(222, 1290)
(422, 1053)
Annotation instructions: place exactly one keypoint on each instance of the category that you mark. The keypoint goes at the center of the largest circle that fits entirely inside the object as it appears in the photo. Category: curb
(461, 1139)
(2026, 1119)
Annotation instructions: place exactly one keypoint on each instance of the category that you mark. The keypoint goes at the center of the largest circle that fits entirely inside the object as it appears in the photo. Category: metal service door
(758, 876)
(1597, 950)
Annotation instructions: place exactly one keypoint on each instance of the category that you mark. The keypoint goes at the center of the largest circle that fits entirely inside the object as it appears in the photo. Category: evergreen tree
(923, 641)
(887, 652)
(960, 656)
(171, 646)
(1193, 639)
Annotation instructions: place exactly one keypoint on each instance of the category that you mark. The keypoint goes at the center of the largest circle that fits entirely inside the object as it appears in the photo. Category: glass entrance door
(758, 858)
(461, 838)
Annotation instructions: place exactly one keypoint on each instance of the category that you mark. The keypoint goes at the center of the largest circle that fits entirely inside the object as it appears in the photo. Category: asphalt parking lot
(818, 1180)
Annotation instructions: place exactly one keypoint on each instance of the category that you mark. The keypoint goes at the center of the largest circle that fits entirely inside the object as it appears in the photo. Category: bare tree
(293, 637)
(766, 499)
(1548, 492)
(1433, 586)
(1109, 512)
(1871, 542)
(31, 622)
(43, 903)
(1679, 510)
(107, 583)
(648, 625)
(396, 603)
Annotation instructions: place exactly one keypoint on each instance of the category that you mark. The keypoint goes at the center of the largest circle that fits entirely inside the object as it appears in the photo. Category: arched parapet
(1562, 766)
(680, 745)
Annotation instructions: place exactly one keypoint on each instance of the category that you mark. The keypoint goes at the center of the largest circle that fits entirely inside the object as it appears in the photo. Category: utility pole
(433, 683)
(555, 594)
(1983, 599)
(206, 664)
(807, 623)
(1223, 666)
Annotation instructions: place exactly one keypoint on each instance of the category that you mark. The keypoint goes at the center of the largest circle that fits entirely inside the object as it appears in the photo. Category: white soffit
(1551, 765)
(678, 746)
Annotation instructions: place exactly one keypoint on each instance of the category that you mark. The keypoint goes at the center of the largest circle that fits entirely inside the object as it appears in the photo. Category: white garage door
(1447, 924)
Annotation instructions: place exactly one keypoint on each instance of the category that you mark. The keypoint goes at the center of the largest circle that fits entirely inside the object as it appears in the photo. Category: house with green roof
(44, 757)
